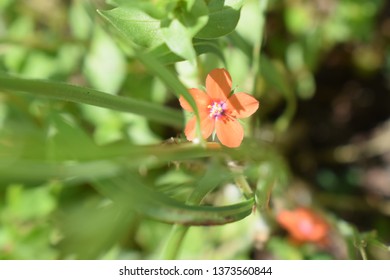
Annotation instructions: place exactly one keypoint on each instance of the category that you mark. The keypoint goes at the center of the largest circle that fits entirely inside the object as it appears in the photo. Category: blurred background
(323, 82)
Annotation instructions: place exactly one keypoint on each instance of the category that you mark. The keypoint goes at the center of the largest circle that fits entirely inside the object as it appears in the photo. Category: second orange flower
(219, 109)
(304, 225)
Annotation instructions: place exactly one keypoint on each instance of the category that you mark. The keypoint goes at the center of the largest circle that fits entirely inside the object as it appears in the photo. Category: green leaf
(135, 25)
(213, 177)
(178, 39)
(66, 138)
(195, 17)
(209, 46)
(33, 171)
(179, 31)
(68, 155)
(156, 9)
(223, 18)
(165, 56)
(66, 92)
(130, 192)
(105, 65)
(80, 225)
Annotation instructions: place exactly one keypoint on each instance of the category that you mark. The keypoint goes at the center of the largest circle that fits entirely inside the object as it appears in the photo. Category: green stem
(363, 253)
(240, 179)
(242, 183)
(210, 181)
(361, 244)
(174, 242)
(77, 94)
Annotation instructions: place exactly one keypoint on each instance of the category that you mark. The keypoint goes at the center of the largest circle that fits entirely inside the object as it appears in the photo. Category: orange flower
(304, 225)
(219, 109)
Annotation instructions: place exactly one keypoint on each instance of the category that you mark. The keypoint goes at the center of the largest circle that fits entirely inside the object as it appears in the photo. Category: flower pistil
(217, 109)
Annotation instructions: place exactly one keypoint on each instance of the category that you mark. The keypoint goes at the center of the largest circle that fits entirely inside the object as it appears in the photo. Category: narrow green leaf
(66, 143)
(131, 192)
(69, 156)
(66, 92)
(37, 172)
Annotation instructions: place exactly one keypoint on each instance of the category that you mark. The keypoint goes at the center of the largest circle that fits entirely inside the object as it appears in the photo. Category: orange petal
(287, 219)
(206, 127)
(242, 105)
(218, 84)
(229, 131)
(190, 130)
(202, 100)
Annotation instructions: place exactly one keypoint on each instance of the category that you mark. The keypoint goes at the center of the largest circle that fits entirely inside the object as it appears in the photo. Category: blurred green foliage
(107, 181)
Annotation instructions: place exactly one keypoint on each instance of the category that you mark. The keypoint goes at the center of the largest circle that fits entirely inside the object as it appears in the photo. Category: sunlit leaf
(135, 25)
(156, 9)
(223, 18)
(178, 39)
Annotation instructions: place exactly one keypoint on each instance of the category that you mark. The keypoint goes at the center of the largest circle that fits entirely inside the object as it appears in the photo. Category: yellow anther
(216, 109)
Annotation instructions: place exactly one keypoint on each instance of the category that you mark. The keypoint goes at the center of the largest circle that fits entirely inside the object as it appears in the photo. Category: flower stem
(206, 184)
(240, 179)
(174, 242)
(363, 253)
(242, 183)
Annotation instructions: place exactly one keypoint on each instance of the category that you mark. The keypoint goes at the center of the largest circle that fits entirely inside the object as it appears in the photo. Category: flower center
(306, 227)
(217, 109)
